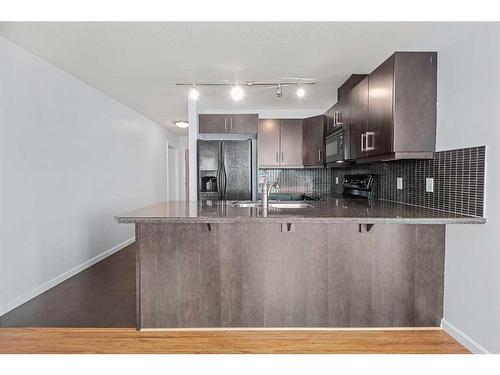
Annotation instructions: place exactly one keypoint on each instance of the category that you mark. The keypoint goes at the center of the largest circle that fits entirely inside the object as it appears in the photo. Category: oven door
(334, 147)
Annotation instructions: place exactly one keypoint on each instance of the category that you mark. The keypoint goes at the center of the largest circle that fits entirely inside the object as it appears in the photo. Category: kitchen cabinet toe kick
(274, 276)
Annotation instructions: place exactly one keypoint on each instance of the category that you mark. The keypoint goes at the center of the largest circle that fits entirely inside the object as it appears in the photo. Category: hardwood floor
(115, 340)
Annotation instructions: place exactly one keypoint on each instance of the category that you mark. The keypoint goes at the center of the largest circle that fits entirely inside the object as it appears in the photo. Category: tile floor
(101, 296)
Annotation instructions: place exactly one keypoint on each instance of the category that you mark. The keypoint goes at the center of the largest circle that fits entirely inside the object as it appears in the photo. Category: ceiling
(138, 63)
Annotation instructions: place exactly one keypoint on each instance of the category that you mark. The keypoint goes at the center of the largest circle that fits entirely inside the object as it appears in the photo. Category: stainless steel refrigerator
(226, 169)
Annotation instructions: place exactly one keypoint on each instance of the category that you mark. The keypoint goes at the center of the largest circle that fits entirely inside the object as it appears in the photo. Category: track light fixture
(237, 92)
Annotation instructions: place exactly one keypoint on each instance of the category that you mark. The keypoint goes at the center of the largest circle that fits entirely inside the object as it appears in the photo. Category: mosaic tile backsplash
(311, 181)
(458, 180)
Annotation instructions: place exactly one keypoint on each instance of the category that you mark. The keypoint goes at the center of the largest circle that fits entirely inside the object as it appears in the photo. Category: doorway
(172, 173)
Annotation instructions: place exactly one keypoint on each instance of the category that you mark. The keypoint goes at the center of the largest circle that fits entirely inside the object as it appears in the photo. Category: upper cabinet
(358, 119)
(291, 142)
(391, 113)
(280, 143)
(378, 136)
(331, 119)
(221, 123)
(313, 146)
(339, 114)
(269, 142)
(402, 95)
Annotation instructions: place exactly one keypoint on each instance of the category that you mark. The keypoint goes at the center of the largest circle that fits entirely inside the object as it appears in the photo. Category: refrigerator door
(236, 170)
(209, 166)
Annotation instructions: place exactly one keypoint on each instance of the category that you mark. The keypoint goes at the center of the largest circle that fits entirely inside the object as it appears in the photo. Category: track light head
(301, 92)
(194, 93)
(237, 93)
(279, 91)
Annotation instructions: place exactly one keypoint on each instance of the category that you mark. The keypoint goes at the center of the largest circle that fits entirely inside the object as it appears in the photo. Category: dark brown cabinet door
(343, 110)
(333, 118)
(359, 119)
(313, 143)
(415, 93)
(329, 120)
(243, 124)
(212, 123)
(269, 143)
(380, 109)
(291, 143)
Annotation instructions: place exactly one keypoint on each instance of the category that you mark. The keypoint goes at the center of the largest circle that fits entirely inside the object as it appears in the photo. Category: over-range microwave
(337, 146)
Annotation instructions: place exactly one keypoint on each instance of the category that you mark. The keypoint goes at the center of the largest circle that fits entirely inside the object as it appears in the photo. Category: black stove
(359, 185)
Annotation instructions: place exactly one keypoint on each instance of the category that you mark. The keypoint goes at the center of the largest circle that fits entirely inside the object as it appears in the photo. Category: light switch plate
(399, 183)
(429, 185)
(337, 180)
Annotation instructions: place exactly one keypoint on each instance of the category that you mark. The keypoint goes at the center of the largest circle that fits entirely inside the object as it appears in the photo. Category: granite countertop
(331, 209)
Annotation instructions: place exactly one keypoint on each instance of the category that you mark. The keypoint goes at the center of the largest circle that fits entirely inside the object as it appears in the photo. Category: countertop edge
(311, 220)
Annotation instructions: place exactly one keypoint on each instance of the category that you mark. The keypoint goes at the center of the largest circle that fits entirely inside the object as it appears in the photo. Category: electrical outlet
(429, 185)
(399, 183)
(337, 180)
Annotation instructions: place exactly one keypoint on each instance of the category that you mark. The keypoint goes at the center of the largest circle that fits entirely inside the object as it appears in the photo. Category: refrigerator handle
(219, 177)
(223, 171)
(225, 180)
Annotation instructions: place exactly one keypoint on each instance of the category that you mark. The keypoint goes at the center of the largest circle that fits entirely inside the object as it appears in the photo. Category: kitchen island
(336, 263)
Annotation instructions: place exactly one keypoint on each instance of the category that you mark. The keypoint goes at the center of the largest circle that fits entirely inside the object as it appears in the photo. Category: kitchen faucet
(266, 189)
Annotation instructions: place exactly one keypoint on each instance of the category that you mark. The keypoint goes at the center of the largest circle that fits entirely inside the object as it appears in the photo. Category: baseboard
(289, 329)
(12, 304)
(463, 338)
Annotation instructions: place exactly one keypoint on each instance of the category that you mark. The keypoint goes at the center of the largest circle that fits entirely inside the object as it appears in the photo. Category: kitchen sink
(273, 204)
(290, 197)
(247, 204)
(290, 205)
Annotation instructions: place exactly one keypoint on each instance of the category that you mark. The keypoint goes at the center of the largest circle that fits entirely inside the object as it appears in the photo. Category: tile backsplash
(458, 180)
(312, 181)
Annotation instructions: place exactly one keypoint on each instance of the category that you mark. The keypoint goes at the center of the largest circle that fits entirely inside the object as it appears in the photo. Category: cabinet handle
(363, 141)
(225, 123)
(337, 118)
(231, 121)
(368, 147)
(277, 160)
(319, 155)
(282, 157)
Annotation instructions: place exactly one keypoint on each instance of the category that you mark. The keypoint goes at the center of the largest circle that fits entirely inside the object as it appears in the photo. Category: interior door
(244, 123)
(380, 109)
(213, 123)
(313, 142)
(291, 143)
(269, 143)
(359, 119)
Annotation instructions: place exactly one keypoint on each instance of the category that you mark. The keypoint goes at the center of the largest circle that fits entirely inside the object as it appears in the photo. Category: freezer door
(237, 165)
(209, 163)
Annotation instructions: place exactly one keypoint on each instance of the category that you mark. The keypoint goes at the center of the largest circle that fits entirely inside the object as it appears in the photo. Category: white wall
(469, 115)
(70, 159)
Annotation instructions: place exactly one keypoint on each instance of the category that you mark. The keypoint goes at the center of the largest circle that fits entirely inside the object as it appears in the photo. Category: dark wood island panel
(316, 275)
